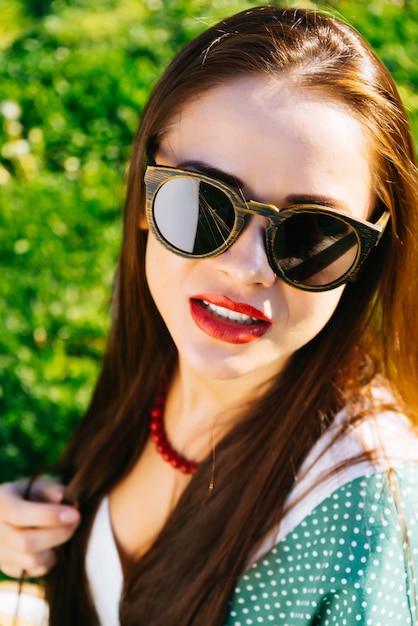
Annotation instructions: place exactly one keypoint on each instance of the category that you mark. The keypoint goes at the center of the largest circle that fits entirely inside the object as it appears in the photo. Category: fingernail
(69, 516)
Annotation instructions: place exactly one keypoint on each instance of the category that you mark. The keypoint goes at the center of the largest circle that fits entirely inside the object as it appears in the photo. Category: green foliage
(74, 76)
(60, 240)
(391, 26)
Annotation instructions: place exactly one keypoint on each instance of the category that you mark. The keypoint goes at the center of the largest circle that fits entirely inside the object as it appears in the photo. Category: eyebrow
(292, 199)
(326, 201)
(202, 168)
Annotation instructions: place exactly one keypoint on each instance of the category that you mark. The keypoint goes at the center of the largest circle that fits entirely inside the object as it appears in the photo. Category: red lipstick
(244, 324)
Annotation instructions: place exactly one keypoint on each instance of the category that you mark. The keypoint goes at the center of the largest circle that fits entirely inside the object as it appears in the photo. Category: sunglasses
(309, 246)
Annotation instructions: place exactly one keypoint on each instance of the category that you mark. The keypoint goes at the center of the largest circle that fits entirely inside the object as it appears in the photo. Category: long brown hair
(188, 575)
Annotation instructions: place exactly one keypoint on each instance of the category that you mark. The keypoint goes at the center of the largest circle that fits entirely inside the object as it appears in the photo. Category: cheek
(150, 263)
(309, 312)
(164, 272)
(156, 271)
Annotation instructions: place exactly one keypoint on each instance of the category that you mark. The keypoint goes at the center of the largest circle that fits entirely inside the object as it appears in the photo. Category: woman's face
(229, 315)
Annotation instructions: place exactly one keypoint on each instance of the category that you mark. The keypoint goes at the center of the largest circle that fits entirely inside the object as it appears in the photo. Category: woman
(264, 334)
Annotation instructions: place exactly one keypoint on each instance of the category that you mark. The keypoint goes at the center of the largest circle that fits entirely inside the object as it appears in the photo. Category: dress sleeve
(352, 561)
(381, 562)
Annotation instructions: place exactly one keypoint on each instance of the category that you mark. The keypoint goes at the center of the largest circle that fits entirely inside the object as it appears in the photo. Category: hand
(29, 531)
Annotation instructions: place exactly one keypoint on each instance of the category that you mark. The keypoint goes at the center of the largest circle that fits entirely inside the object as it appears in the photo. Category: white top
(390, 433)
(104, 570)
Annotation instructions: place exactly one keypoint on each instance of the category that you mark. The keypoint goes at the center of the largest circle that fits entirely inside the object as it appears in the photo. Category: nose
(246, 260)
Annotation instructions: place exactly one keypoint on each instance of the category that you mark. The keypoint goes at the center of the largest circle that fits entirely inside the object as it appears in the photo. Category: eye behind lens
(314, 249)
(193, 216)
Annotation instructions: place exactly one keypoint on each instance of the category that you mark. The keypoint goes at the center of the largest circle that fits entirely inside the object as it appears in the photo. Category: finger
(30, 550)
(32, 541)
(47, 489)
(31, 566)
(22, 513)
(44, 489)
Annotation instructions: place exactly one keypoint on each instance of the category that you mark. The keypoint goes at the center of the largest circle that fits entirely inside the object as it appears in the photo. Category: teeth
(229, 315)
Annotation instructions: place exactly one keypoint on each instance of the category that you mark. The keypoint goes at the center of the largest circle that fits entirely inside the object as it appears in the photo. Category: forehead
(276, 137)
(265, 104)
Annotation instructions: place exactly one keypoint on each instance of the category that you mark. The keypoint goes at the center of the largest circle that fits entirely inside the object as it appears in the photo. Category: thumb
(47, 489)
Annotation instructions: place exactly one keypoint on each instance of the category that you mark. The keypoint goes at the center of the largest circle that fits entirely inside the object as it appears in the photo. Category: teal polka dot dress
(351, 561)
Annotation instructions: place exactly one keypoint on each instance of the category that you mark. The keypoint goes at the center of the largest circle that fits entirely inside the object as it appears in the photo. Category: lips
(226, 320)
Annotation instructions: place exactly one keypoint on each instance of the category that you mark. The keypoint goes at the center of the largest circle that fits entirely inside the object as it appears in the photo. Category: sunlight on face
(285, 144)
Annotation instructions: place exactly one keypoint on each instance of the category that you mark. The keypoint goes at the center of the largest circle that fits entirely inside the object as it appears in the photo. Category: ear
(143, 222)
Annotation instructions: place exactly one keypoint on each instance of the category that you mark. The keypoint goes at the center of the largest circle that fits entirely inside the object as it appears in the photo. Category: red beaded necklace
(159, 437)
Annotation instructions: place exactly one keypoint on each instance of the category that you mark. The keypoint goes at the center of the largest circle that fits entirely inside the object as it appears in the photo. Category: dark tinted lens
(193, 216)
(315, 249)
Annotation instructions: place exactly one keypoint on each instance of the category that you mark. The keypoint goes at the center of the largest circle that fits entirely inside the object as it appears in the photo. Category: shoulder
(366, 438)
(346, 549)
(362, 441)
(351, 558)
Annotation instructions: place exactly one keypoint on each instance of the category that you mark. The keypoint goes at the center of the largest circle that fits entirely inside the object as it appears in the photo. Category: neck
(200, 411)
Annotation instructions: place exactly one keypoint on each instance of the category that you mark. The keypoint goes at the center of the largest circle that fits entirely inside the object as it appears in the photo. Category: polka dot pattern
(347, 563)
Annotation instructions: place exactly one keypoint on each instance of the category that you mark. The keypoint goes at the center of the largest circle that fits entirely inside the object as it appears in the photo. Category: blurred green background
(74, 76)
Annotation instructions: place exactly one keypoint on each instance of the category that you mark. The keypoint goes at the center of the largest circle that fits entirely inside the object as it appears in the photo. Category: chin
(234, 367)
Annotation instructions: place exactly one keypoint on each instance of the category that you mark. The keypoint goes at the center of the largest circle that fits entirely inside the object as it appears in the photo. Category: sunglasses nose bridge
(275, 217)
(243, 214)
(270, 211)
